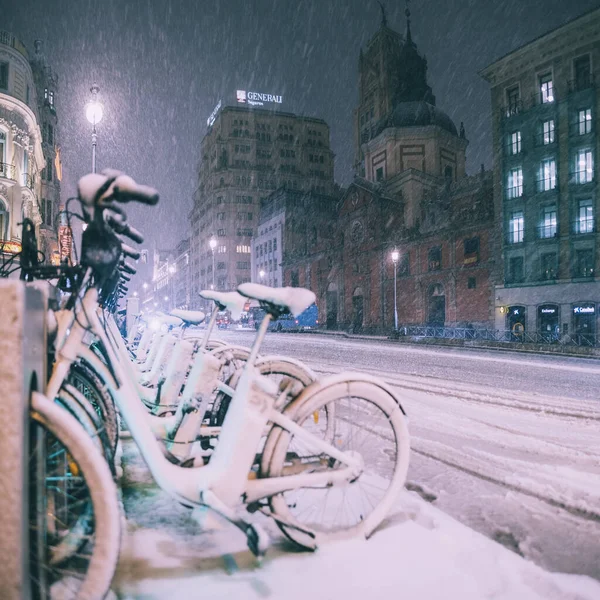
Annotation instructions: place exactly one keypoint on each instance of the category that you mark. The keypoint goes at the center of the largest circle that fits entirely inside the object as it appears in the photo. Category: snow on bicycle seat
(192, 317)
(169, 321)
(231, 301)
(294, 299)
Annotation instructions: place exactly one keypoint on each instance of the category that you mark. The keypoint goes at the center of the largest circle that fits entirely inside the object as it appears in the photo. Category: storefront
(584, 323)
(515, 321)
(549, 322)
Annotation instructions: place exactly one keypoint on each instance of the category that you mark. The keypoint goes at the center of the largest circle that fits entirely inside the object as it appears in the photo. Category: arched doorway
(436, 314)
(515, 322)
(357, 309)
(331, 305)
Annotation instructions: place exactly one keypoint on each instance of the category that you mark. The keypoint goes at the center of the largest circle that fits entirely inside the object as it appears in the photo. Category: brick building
(410, 193)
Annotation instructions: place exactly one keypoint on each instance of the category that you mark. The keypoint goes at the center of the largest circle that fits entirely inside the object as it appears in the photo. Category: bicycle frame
(223, 483)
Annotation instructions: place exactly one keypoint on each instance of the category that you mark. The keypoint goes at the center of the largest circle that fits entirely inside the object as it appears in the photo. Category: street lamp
(93, 112)
(395, 257)
(145, 286)
(213, 245)
(261, 274)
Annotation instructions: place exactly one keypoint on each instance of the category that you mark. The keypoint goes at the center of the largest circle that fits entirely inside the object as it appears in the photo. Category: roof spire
(407, 13)
(383, 16)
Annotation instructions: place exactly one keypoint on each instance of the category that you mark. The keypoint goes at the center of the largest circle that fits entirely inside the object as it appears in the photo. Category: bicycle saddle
(279, 300)
(231, 301)
(191, 317)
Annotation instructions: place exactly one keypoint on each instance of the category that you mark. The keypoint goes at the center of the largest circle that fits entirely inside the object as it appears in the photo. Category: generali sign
(257, 98)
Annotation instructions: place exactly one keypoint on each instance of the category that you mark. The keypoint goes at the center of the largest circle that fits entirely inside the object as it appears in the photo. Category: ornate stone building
(21, 153)
(410, 193)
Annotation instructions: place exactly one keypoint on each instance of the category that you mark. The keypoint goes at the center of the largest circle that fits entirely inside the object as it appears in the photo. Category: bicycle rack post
(22, 363)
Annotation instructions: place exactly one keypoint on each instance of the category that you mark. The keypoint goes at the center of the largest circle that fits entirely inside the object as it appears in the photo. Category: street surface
(508, 444)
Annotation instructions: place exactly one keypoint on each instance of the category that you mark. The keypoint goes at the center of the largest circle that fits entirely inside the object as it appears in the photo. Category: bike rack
(22, 365)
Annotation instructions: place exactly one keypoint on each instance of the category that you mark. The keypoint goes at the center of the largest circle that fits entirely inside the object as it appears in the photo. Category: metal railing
(546, 232)
(496, 335)
(7, 171)
(583, 225)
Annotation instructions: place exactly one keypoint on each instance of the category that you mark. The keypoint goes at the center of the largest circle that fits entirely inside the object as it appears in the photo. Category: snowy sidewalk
(421, 553)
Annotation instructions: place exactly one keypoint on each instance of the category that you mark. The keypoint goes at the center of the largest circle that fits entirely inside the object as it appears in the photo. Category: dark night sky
(162, 65)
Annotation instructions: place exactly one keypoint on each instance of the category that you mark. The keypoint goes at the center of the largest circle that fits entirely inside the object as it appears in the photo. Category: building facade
(21, 152)
(46, 84)
(411, 194)
(545, 109)
(246, 154)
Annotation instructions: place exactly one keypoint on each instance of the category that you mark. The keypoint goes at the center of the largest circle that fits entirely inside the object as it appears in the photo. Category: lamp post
(93, 112)
(213, 245)
(261, 274)
(395, 257)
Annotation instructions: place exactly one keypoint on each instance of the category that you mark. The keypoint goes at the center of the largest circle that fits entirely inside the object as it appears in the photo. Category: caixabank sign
(257, 98)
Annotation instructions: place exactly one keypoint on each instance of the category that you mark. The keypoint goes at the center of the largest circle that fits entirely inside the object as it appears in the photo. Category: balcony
(584, 226)
(28, 181)
(8, 171)
(547, 232)
(583, 82)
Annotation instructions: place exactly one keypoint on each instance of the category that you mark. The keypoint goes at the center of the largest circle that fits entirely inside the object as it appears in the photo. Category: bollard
(22, 362)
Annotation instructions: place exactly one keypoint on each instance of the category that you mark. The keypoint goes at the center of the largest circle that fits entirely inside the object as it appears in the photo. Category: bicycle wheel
(85, 381)
(291, 376)
(367, 421)
(74, 519)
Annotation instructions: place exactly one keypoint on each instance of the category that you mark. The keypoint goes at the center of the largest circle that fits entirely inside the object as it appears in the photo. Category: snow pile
(422, 554)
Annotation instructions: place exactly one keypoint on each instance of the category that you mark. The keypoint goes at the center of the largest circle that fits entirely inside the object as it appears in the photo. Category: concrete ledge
(556, 349)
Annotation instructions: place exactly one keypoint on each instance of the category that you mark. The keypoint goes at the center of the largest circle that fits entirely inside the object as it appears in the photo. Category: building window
(546, 88)
(221, 233)
(547, 175)
(582, 68)
(584, 121)
(243, 249)
(515, 183)
(584, 166)
(584, 263)
(512, 101)
(548, 226)
(434, 258)
(3, 76)
(471, 250)
(585, 217)
(516, 227)
(51, 98)
(548, 132)
(48, 170)
(514, 142)
(274, 244)
(379, 174)
(295, 282)
(221, 249)
(515, 269)
(548, 266)
(471, 283)
(221, 216)
(404, 264)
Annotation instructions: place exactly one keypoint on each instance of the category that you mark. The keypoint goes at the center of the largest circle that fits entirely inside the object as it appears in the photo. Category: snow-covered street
(514, 453)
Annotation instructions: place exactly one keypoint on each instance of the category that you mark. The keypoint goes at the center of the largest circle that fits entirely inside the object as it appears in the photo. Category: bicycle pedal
(258, 540)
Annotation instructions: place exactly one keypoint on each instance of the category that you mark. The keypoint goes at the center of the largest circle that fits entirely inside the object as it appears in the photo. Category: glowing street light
(94, 112)
(145, 286)
(261, 274)
(395, 257)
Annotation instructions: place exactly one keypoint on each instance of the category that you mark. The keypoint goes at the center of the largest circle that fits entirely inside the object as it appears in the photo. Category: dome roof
(417, 114)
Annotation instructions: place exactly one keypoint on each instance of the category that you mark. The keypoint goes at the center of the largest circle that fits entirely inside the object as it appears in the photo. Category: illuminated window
(514, 142)
(584, 166)
(547, 175)
(516, 227)
(548, 226)
(585, 217)
(546, 88)
(584, 121)
(515, 183)
(548, 132)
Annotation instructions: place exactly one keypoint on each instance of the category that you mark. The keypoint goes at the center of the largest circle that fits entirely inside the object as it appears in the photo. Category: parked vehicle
(223, 320)
(309, 319)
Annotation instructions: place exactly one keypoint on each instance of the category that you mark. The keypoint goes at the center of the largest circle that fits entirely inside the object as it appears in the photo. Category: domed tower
(413, 148)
